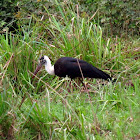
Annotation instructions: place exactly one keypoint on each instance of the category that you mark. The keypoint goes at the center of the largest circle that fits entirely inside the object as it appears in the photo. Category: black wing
(69, 66)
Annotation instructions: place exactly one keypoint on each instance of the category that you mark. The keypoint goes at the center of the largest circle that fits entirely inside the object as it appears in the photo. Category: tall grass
(52, 108)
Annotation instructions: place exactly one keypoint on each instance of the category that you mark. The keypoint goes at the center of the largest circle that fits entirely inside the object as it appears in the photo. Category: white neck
(48, 66)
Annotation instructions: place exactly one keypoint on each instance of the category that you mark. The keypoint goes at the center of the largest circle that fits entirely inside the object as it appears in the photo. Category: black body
(67, 66)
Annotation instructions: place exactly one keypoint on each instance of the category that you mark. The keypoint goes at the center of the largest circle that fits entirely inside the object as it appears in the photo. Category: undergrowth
(49, 107)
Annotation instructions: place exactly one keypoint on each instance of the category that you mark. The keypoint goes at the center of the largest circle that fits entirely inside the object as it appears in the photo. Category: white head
(44, 60)
(48, 66)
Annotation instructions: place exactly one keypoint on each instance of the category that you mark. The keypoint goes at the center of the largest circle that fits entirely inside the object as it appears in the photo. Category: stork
(71, 67)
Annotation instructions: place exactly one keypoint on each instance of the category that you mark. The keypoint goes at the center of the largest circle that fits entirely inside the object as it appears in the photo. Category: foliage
(8, 10)
(120, 16)
(51, 108)
(115, 17)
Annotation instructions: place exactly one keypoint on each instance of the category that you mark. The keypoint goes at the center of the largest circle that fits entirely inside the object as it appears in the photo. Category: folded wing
(70, 66)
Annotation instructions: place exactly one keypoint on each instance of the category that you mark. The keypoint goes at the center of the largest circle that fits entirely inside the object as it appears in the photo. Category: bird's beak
(37, 69)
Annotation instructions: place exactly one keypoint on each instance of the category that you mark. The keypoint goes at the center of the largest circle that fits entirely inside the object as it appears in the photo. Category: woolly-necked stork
(71, 67)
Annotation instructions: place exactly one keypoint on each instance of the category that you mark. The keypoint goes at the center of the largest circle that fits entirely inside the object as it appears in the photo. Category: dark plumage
(70, 67)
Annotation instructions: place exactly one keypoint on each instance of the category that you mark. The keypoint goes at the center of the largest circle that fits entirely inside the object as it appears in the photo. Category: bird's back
(60, 66)
(70, 67)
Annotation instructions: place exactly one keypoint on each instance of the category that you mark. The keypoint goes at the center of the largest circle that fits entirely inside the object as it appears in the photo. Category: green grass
(48, 107)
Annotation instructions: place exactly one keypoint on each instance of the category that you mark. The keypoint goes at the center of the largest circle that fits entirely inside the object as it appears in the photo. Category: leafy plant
(8, 10)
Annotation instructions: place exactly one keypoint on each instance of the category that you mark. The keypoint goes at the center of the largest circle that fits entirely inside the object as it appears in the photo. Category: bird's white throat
(48, 66)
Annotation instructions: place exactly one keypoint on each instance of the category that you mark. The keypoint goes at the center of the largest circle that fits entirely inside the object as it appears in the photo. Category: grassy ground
(48, 107)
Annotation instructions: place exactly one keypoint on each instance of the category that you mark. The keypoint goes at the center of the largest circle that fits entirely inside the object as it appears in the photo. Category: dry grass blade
(5, 67)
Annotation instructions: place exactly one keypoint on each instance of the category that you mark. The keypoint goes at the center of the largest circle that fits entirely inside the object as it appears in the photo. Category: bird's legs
(82, 83)
(86, 86)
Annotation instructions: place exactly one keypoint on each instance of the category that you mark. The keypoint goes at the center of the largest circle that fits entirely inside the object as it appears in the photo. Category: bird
(71, 67)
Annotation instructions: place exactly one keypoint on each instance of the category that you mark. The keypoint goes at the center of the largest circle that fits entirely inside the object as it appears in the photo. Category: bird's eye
(42, 61)
(42, 58)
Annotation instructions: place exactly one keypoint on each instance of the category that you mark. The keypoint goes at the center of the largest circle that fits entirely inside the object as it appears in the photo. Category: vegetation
(118, 17)
(8, 11)
(49, 107)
